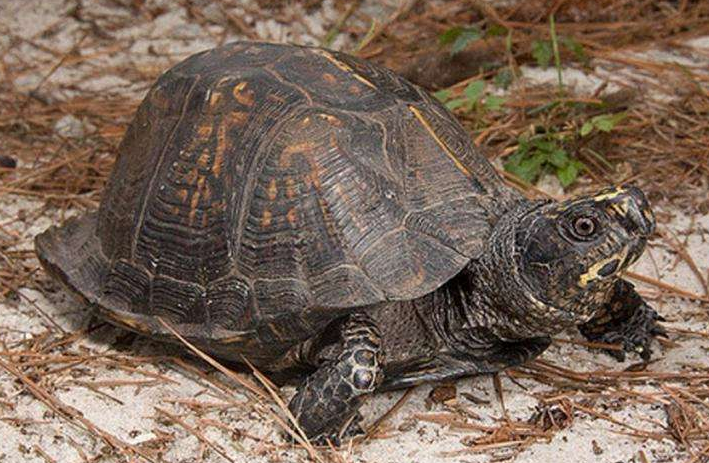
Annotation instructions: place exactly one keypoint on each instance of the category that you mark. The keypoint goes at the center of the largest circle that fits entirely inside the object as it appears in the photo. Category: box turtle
(325, 219)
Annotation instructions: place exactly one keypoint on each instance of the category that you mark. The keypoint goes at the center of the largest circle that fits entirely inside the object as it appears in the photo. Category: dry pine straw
(69, 174)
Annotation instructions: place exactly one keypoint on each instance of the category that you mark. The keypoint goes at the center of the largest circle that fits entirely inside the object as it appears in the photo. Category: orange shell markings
(183, 194)
(272, 189)
(290, 188)
(204, 131)
(195, 201)
(214, 99)
(302, 147)
(292, 216)
(204, 158)
(266, 219)
(242, 94)
(332, 120)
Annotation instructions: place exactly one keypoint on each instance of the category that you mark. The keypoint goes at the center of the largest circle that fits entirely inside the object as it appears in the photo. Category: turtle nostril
(639, 212)
(641, 218)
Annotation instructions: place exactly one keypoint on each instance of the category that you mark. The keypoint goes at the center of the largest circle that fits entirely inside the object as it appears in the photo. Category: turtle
(321, 218)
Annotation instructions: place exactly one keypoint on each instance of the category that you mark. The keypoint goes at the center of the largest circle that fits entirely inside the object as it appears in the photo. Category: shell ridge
(153, 178)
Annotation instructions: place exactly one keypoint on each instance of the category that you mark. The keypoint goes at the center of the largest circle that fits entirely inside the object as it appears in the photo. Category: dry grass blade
(299, 435)
(74, 416)
(195, 432)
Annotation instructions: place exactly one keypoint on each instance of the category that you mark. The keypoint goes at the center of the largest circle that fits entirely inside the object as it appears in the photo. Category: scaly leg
(326, 404)
(446, 366)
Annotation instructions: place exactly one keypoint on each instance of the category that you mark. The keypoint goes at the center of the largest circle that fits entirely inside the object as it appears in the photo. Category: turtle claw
(635, 335)
(352, 430)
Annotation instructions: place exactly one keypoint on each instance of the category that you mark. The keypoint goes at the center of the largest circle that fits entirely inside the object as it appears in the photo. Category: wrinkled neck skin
(489, 301)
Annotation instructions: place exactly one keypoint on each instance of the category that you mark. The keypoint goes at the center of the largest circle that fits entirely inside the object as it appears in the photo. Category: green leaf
(503, 78)
(568, 174)
(494, 102)
(443, 95)
(545, 145)
(449, 35)
(474, 90)
(559, 158)
(576, 48)
(456, 103)
(459, 37)
(523, 145)
(542, 52)
(464, 39)
(586, 128)
(606, 122)
(527, 170)
(495, 30)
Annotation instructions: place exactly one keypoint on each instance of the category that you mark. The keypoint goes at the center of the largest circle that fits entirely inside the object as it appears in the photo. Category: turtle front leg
(326, 404)
(626, 319)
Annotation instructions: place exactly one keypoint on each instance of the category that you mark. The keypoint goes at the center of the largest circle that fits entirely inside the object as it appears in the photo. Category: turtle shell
(263, 190)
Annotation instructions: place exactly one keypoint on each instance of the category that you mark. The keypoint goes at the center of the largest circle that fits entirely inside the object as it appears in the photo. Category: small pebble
(69, 127)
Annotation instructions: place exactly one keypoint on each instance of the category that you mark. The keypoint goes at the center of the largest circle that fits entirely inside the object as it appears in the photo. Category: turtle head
(569, 253)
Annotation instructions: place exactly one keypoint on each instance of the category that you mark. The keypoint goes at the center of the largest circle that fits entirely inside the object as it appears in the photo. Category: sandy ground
(135, 405)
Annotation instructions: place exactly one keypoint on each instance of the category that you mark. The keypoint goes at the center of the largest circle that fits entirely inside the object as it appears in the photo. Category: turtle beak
(630, 207)
(638, 218)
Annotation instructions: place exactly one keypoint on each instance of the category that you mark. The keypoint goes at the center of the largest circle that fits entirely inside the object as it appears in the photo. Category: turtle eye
(584, 226)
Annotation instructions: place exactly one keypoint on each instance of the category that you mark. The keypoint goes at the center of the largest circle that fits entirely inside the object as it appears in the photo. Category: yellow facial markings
(343, 67)
(620, 208)
(592, 273)
(445, 148)
(609, 195)
(272, 189)
(242, 94)
(266, 218)
(648, 215)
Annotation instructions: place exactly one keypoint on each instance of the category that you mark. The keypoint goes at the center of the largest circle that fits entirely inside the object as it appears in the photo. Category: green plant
(543, 153)
(601, 123)
(473, 98)
(459, 37)
(544, 50)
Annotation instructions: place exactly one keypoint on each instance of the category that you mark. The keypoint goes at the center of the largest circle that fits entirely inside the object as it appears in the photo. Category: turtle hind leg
(326, 404)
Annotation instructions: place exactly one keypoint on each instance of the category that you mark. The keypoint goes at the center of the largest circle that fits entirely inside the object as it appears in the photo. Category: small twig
(196, 433)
